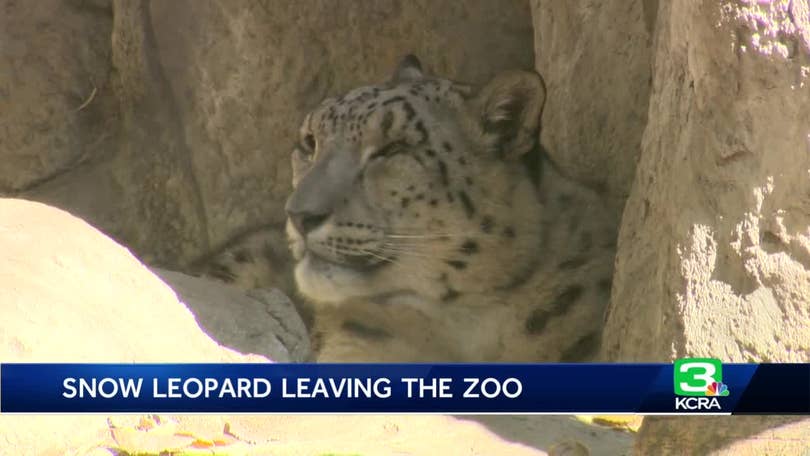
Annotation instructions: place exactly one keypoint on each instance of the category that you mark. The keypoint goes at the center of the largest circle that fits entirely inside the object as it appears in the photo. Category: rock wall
(168, 123)
(595, 58)
(51, 59)
(714, 251)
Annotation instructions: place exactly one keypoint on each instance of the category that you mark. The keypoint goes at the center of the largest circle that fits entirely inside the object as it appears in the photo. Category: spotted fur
(425, 224)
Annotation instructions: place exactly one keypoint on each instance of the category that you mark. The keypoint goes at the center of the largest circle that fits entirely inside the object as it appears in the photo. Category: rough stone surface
(51, 59)
(595, 58)
(136, 182)
(724, 436)
(71, 294)
(714, 250)
(59, 275)
(185, 144)
(264, 322)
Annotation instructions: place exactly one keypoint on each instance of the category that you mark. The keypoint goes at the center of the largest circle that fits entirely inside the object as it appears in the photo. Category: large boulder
(169, 124)
(714, 250)
(71, 294)
(259, 321)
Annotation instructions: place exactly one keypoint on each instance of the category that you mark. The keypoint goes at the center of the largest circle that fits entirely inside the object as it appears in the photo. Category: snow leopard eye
(309, 144)
(388, 150)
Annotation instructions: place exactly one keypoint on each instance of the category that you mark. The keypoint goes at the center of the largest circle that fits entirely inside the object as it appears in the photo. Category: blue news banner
(694, 385)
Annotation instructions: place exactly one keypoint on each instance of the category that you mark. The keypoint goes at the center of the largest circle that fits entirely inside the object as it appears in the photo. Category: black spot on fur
(365, 332)
(487, 224)
(581, 349)
(447, 146)
(462, 161)
(395, 99)
(434, 202)
(469, 247)
(409, 111)
(456, 264)
(537, 321)
(430, 153)
(443, 173)
(387, 122)
(539, 318)
(469, 208)
(420, 127)
(568, 297)
(509, 232)
(405, 202)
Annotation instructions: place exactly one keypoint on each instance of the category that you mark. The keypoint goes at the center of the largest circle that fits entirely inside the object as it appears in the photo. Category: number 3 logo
(694, 375)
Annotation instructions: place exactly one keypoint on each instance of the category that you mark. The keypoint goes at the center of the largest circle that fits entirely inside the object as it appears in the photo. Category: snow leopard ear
(510, 106)
(409, 69)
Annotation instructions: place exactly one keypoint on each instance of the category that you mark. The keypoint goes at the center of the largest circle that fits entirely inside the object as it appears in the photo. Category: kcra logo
(699, 381)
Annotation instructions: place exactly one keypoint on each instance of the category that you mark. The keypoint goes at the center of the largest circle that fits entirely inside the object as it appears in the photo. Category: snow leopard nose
(316, 195)
(305, 221)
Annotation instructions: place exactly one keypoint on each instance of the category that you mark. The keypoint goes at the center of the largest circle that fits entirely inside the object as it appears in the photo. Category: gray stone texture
(184, 143)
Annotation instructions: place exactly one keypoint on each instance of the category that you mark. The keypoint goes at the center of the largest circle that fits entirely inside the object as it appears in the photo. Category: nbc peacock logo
(717, 389)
